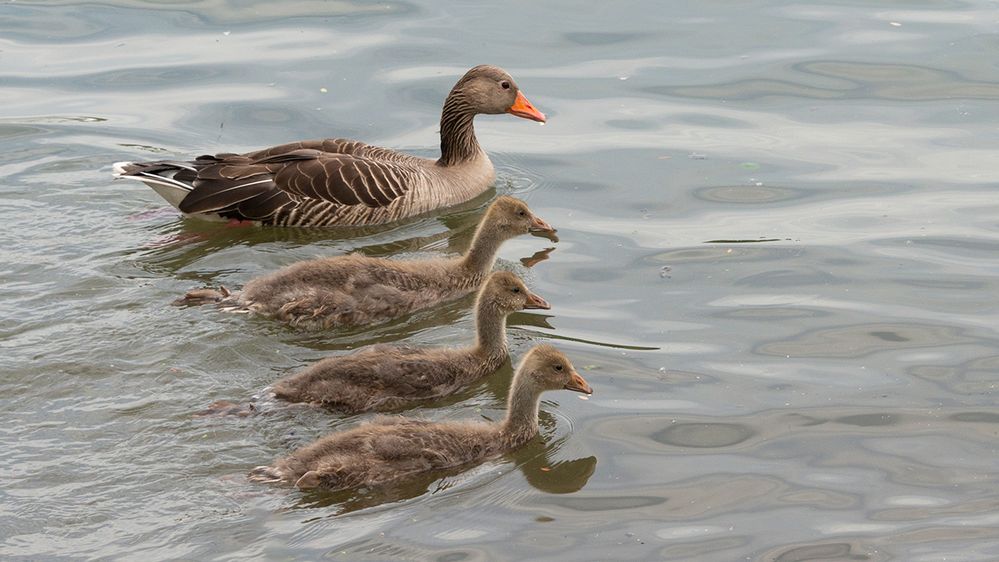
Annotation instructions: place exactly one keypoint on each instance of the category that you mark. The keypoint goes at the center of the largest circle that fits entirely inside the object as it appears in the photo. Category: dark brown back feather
(259, 184)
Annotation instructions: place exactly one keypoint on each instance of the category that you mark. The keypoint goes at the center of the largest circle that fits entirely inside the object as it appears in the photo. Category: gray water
(777, 270)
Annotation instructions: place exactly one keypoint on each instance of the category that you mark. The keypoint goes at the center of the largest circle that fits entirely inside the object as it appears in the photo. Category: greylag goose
(341, 182)
(391, 448)
(382, 377)
(355, 290)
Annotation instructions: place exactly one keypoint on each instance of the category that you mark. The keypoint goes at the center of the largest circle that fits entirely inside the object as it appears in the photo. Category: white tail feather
(265, 474)
(169, 189)
(119, 168)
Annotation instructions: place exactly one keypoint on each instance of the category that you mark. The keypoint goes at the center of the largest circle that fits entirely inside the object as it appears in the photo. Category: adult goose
(357, 290)
(382, 376)
(342, 182)
(392, 448)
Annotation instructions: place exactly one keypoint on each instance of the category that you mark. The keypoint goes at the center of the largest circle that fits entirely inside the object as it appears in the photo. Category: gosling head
(507, 292)
(509, 217)
(549, 369)
(489, 89)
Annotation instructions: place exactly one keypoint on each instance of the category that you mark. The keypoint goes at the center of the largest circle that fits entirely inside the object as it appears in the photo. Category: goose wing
(258, 185)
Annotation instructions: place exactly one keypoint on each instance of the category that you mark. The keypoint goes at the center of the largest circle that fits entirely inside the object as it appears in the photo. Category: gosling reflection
(539, 463)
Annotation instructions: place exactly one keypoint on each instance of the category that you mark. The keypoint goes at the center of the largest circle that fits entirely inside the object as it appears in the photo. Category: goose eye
(505, 85)
(558, 367)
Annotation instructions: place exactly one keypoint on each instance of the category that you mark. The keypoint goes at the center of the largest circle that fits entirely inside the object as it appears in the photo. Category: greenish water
(777, 269)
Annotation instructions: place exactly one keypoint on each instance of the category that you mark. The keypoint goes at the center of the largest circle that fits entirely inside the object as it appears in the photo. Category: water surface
(777, 270)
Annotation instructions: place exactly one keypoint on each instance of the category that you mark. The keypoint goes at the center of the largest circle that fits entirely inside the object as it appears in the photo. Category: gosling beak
(578, 384)
(538, 225)
(523, 108)
(534, 301)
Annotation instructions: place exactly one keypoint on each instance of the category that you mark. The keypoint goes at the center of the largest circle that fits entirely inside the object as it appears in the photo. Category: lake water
(777, 268)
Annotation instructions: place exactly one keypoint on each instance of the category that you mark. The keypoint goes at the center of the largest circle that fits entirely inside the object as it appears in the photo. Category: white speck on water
(680, 532)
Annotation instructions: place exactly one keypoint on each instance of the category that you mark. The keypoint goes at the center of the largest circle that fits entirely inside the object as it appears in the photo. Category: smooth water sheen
(778, 270)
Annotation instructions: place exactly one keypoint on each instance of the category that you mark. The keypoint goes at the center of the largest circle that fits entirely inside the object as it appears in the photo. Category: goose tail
(157, 175)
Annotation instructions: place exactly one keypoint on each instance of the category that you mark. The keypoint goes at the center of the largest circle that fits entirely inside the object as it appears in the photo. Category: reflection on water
(703, 435)
(828, 551)
(776, 267)
(748, 194)
(562, 477)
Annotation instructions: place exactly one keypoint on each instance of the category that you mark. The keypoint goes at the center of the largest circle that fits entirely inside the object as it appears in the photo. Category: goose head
(547, 368)
(508, 293)
(489, 89)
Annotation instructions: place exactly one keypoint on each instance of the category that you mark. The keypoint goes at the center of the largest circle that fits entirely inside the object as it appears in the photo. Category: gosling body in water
(382, 377)
(392, 448)
(356, 290)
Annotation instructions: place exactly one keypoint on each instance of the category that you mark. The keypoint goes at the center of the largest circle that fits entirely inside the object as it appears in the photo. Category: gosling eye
(558, 367)
(516, 289)
(505, 85)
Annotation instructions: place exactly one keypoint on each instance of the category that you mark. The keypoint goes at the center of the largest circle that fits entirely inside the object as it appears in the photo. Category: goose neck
(458, 142)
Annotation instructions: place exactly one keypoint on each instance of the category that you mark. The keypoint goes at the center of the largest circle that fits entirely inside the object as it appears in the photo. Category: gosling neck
(521, 422)
(458, 142)
(485, 246)
(490, 328)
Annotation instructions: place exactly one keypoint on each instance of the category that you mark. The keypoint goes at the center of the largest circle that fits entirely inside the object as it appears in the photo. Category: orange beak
(578, 384)
(523, 108)
(538, 225)
(534, 301)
